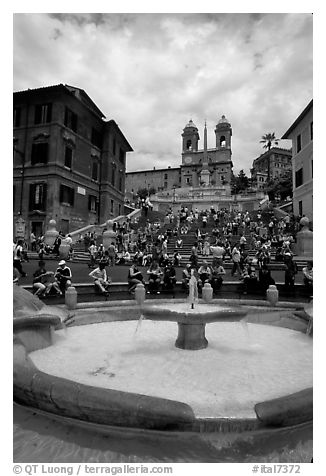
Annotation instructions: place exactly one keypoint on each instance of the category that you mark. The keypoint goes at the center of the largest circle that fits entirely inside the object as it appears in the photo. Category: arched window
(222, 141)
(188, 145)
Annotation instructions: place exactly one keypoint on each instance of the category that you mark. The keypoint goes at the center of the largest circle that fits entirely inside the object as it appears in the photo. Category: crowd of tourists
(247, 240)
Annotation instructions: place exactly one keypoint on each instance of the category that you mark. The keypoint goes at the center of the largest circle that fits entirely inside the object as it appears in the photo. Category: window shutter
(17, 112)
(31, 196)
(33, 156)
(44, 152)
(72, 196)
(49, 113)
(44, 196)
(74, 122)
(38, 114)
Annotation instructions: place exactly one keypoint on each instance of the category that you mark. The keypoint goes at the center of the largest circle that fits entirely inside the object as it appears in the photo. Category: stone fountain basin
(201, 314)
(66, 397)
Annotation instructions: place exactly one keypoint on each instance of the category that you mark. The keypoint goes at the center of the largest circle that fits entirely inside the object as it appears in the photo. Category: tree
(239, 182)
(142, 193)
(268, 140)
(281, 186)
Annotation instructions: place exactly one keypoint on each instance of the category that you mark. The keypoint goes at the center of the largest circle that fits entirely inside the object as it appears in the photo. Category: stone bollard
(71, 298)
(272, 295)
(304, 246)
(207, 293)
(51, 234)
(64, 249)
(140, 294)
(109, 236)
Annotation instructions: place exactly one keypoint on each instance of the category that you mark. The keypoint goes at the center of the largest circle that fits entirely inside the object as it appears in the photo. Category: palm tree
(268, 140)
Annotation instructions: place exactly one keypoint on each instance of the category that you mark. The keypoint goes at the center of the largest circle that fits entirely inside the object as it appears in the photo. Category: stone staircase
(80, 255)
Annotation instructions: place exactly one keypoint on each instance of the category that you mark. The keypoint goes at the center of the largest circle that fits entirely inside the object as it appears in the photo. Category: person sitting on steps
(169, 278)
(217, 276)
(41, 286)
(134, 277)
(154, 280)
(101, 280)
(63, 276)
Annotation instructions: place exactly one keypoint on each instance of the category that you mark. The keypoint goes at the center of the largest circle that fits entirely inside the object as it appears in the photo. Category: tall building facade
(273, 164)
(69, 162)
(301, 134)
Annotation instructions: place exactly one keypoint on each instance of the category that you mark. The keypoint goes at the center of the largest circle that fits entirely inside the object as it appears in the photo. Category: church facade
(206, 167)
(199, 167)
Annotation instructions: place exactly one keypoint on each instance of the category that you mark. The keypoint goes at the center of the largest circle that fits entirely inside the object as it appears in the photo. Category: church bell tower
(190, 138)
(223, 133)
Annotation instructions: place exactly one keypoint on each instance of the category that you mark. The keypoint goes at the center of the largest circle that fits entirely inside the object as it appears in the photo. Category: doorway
(37, 228)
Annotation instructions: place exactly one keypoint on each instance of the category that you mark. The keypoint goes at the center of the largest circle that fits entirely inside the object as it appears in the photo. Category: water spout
(193, 289)
(139, 323)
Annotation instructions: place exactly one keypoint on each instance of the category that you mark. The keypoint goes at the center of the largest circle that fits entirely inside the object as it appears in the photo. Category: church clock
(188, 160)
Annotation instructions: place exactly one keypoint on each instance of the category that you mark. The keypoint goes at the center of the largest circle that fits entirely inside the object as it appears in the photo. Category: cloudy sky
(151, 73)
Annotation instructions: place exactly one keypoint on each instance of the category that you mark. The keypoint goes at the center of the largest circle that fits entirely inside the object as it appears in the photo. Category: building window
(299, 177)
(300, 207)
(40, 151)
(68, 157)
(311, 130)
(112, 205)
(119, 209)
(70, 119)
(188, 179)
(165, 176)
(43, 113)
(188, 145)
(222, 141)
(37, 196)
(67, 195)
(92, 203)
(96, 138)
(165, 185)
(94, 170)
(17, 115)
(122, 156)
(298, 143)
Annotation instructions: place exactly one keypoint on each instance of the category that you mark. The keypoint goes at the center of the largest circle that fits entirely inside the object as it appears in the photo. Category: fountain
(192, 319)
(140, 381)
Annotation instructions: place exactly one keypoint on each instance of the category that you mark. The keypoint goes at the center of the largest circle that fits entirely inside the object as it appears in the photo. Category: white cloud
(153, 72)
